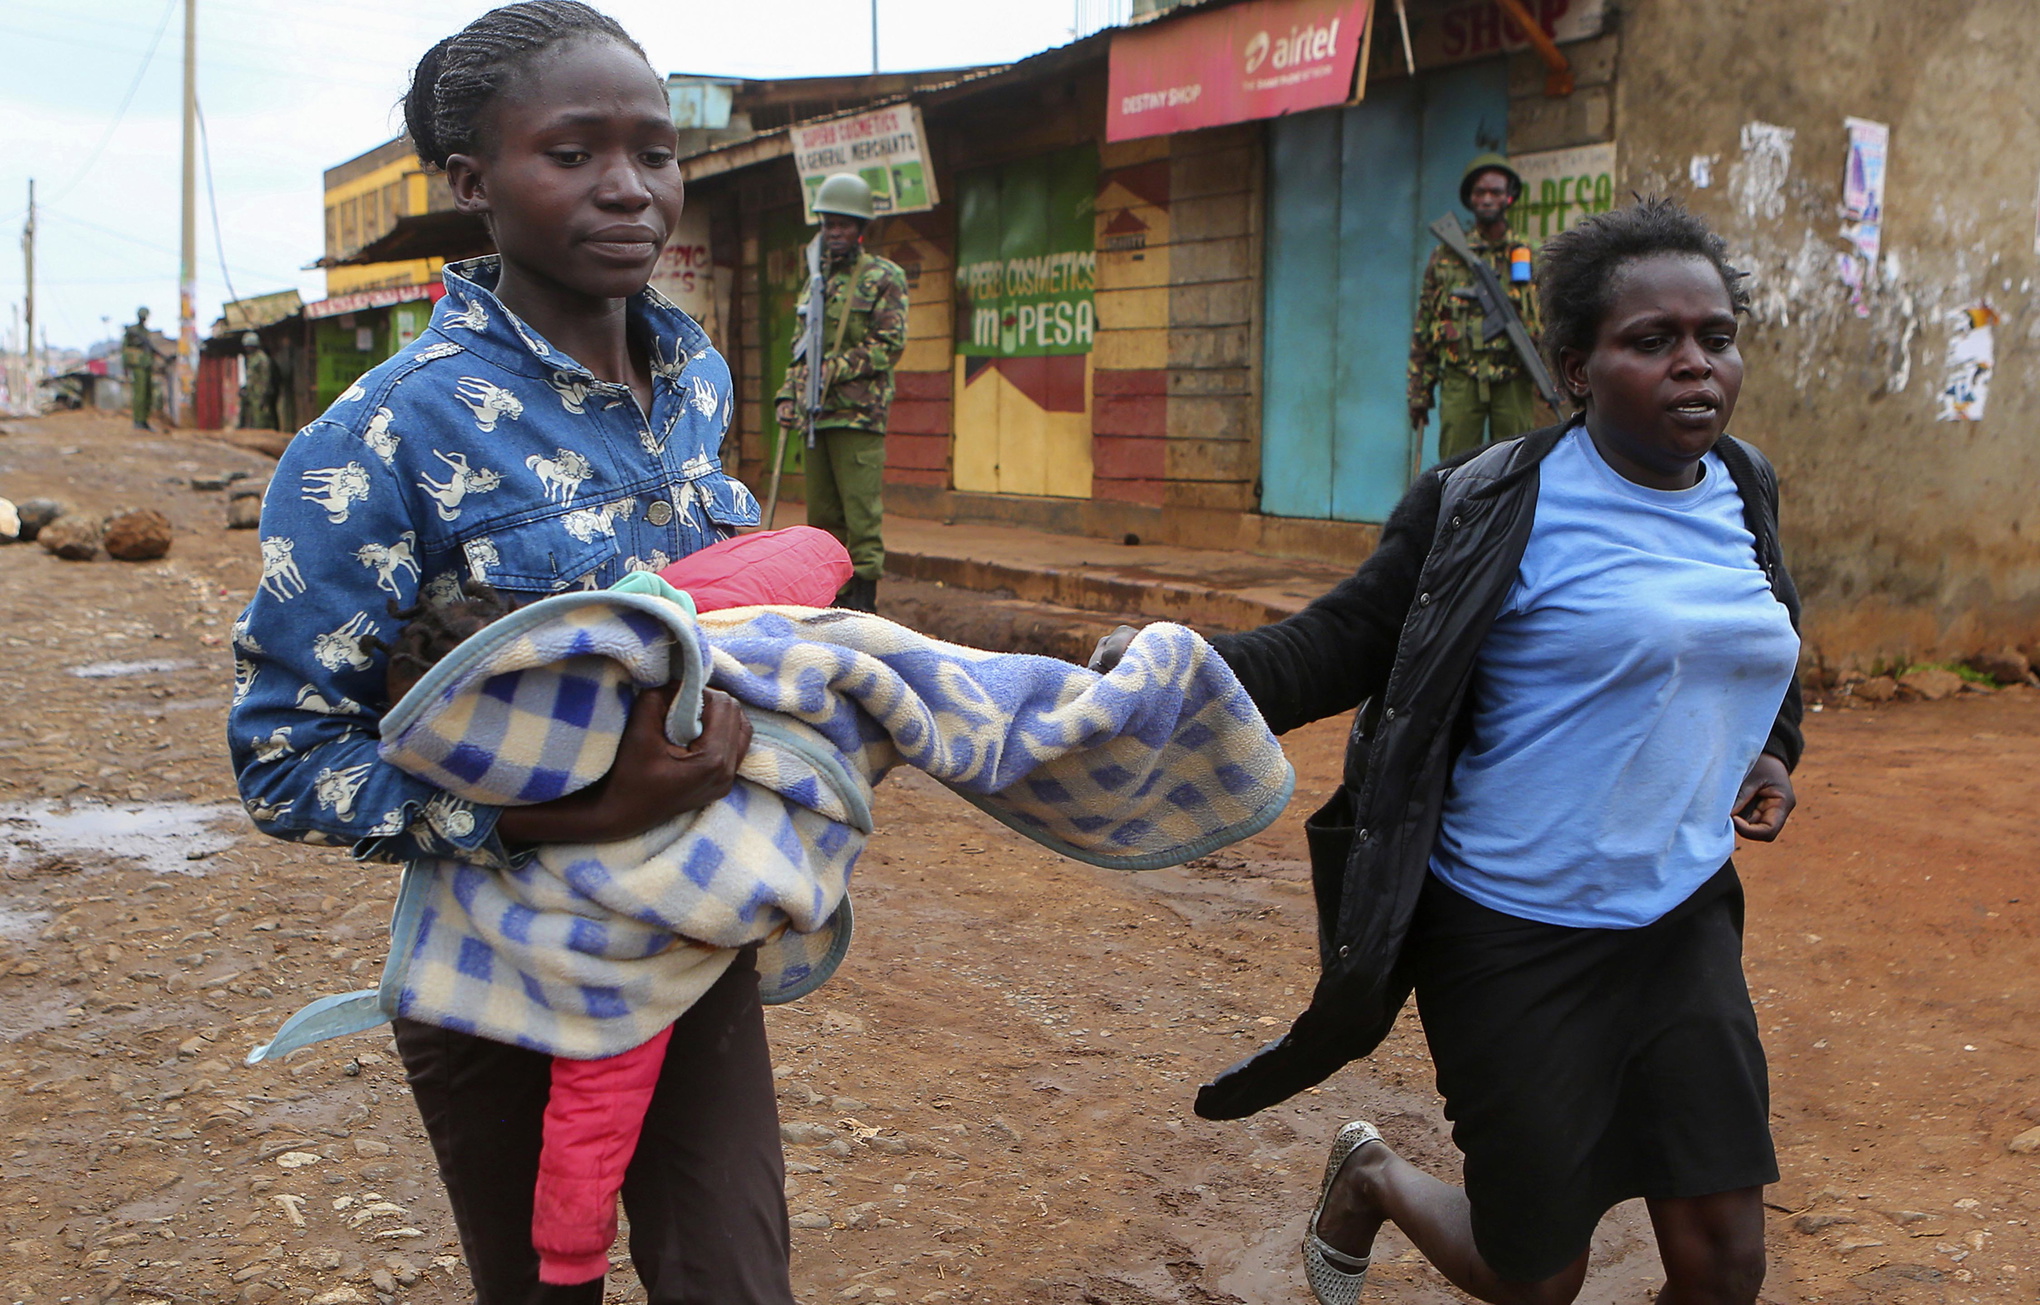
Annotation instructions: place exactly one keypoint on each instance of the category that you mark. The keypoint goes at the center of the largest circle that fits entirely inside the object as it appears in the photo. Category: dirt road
(991, 1103)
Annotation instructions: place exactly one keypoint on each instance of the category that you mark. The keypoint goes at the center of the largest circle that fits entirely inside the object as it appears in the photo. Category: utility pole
(187, 276)
(874, 38)
(28, 377)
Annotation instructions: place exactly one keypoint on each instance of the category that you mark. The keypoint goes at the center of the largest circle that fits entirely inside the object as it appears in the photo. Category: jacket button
(1389, 714)
(1344, 949)
(659, 513)
(1363, 835)
(1455, 523)
(1423, 600)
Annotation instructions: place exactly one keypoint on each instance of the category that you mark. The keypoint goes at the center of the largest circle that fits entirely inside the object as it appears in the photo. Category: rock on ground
(73, 538)
(138, 536)
(1931, 683)
(2006, 666)
(244, 507)
(37, 513)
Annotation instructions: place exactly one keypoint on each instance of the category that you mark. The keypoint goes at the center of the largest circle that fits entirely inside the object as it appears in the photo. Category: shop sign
(887, 147)
(1562, 188)
(1478, 29)
(684, 273)
(361, 300)
(1260, 59)
(1026, 256)
(261, 310)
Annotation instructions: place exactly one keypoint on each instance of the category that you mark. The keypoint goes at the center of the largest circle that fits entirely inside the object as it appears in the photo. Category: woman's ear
(464, 179)
(1572, 374)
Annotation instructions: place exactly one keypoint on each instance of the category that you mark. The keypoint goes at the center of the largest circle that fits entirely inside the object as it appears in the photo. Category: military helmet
(250, 340)
(1488, 163)
(844, 194)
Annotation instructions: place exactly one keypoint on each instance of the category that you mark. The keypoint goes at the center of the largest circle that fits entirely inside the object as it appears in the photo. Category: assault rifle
(1498, 314)
(808, 347)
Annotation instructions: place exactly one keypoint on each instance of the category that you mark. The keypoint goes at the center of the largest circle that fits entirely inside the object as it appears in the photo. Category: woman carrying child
(1575, 652)
(556, 427)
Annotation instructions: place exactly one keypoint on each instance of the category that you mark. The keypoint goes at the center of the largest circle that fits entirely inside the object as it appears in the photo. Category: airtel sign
(1302, 45)
(1261, 59)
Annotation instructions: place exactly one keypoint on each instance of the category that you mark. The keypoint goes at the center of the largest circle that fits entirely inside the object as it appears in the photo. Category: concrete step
(982, 620)
(1207, 589)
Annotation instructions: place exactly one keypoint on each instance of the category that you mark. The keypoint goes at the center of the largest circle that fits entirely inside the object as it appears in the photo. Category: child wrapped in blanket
(597, 1107)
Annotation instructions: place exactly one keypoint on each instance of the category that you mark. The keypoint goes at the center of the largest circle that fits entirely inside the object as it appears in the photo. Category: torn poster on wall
(1972, 352)
(1863, 205)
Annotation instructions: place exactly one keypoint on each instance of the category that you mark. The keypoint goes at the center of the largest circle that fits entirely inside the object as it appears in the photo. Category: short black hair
(434, 628)
(1577, 269)
(458, 77)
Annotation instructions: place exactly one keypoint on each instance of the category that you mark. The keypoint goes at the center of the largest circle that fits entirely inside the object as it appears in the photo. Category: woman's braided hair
(459, 76)
(1576, 277)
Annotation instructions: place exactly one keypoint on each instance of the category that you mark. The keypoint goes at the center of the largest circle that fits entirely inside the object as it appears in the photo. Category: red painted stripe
(1140, 416)
(1119, 458)
(918, 418)
(922, 385)
(1143, 381)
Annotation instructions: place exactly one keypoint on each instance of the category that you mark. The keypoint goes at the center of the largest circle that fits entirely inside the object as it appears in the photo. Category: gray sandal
(1335, 1277)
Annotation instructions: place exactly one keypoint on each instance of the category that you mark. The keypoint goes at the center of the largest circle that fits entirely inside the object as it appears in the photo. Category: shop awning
(445, 234)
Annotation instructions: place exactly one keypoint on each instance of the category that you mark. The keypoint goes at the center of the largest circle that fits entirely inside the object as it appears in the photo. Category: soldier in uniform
(1484, 392)
(864, 328)
(138, 356)
(258, 389)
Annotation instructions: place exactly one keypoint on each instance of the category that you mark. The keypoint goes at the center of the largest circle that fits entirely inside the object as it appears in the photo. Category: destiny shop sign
(887, 147)
(1261, 59)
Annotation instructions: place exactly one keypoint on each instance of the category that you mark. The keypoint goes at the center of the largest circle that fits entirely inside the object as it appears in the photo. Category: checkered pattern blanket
(585, 951)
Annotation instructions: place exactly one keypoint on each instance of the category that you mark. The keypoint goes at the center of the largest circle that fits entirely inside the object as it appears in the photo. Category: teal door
(1350, 192)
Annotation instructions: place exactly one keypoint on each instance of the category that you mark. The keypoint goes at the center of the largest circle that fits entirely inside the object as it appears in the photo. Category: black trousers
(705, 1193)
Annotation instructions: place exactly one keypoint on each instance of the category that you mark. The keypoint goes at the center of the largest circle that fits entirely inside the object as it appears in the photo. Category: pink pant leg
(592, 1122)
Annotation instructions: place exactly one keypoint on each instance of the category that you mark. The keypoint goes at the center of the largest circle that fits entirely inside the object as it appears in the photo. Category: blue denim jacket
(477, 451)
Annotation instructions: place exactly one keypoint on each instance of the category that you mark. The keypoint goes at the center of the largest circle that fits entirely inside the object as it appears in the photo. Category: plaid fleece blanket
(585, 951)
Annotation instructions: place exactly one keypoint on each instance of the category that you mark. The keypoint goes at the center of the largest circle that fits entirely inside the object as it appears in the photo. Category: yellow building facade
(364, 198)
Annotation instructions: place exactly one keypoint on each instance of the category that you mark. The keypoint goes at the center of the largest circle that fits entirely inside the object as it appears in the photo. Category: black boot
(860, 595)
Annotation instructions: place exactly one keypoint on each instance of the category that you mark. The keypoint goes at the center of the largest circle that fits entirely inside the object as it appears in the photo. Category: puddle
(20, 925)
(166, 837)
(114, 670)
(195, 704)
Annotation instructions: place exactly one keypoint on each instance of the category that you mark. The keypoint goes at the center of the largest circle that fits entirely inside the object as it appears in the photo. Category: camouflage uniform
(1483, 390)
(138, 357)
(846, 468)
(258, 393)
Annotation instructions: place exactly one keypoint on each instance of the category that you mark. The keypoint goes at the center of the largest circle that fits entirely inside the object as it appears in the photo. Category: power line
(252, 70)
(125, 100)
(212, 201)
(43, 210)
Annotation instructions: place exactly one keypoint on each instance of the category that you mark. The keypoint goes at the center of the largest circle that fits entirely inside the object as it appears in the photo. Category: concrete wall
(1912, 537)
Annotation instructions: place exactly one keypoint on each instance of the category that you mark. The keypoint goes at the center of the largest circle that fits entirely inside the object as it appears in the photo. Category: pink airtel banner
(1261, 59)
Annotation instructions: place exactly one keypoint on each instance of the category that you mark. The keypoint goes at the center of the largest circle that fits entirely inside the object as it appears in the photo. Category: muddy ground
(998, 1084)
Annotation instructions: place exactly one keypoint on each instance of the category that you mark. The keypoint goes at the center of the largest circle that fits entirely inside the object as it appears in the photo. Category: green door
(782, 279)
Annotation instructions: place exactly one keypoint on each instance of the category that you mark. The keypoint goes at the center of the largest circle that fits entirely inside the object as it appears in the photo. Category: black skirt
(1585, 1067)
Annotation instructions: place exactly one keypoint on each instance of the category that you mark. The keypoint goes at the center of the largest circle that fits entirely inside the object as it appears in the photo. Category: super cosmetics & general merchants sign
(887, 147)
(1261, 59)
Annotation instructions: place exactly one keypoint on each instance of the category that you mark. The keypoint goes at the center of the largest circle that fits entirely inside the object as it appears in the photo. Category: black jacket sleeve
(1336, 653)
(1787, 741)
(1754, 473)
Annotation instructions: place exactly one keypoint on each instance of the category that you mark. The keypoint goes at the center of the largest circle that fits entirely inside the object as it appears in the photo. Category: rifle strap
(843, 303)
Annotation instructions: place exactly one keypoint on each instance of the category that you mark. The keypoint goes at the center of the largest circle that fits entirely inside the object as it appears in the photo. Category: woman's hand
(1110, 649)
(1765, 800)
(651, 781)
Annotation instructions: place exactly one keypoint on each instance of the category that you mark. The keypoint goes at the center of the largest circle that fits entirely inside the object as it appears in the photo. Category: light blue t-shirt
(1626, 687)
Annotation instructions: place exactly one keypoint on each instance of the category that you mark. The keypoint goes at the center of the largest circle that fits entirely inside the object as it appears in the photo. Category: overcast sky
(291, 87)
